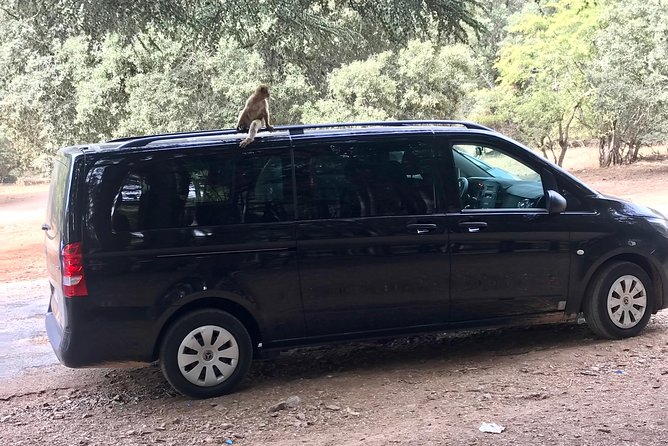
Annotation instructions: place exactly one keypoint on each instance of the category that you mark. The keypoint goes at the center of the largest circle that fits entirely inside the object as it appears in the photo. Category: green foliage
(485, 44)
(433, 81)
(541, 66)
(8, 161)
(630, 78)
(416, 82)
(396, 21)
(289, 95)
(177, 87)
(28, 83)
(100, 89)
(317, 34)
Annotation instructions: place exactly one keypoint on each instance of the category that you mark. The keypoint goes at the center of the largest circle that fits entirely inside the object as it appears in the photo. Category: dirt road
(22, 212)
(23, 341)
(546, 385)
(551, 386)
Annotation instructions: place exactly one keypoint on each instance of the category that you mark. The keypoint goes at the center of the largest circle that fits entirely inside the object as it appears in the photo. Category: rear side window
(57, 196)
(350, 180)
(190, 191)
(247, 189)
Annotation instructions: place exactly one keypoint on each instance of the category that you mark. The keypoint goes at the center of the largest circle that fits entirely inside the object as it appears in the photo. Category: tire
(619, 301)
(206, 353)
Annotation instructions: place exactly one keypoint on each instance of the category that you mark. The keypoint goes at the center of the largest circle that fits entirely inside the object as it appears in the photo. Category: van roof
(214, 137)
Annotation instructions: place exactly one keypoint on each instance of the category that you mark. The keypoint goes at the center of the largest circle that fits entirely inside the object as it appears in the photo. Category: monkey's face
(263, 91)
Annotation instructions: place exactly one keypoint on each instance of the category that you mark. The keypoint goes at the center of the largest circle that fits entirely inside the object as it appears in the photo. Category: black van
(186, 249)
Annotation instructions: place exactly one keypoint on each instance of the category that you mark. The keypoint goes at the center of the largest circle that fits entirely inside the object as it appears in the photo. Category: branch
(10, 14)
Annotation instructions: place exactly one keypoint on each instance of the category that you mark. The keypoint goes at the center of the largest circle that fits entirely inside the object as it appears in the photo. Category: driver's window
(491, 179)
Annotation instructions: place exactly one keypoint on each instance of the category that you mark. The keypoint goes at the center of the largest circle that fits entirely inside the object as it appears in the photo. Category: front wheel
(619, 301)
(206, 353)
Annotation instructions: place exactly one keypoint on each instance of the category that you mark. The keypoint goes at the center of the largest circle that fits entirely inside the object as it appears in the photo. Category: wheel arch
(638, 259)
(213, 302)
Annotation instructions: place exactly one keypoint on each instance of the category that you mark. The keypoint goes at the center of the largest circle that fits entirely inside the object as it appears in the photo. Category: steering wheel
(462, 185)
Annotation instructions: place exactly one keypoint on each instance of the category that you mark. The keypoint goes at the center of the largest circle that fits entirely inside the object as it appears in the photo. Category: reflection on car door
(508, 255)
(372, 248)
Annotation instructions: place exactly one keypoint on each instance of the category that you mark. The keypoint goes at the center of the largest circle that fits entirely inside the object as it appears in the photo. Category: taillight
(74, 282)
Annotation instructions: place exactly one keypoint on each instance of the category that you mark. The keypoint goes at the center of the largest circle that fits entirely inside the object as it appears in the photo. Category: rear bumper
(57, 337)
(99, 344)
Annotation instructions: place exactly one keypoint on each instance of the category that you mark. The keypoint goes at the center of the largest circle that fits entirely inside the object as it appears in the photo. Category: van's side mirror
(556, 203)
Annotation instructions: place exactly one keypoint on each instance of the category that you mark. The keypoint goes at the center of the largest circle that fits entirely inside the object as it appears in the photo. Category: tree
(317, 34)
(393, 20)
(178, 87)
(419, 81)
(70, 95)
(181, 88)
(8, 161)
(629, 76)
(493, 17)
(542, 82)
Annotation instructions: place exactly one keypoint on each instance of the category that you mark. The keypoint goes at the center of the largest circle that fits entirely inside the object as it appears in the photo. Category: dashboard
(496, 193)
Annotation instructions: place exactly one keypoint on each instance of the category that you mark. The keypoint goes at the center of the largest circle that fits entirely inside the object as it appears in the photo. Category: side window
(491, 179)
(238, 188)
(366, 180)
(125, 213)
(249, 188)
(151, 196)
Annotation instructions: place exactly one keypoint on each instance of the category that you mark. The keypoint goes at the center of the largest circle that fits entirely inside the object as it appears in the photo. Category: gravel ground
(545, 385)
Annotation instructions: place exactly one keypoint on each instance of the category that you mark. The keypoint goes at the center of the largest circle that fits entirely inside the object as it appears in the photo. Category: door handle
(421, 228)
(473, 226)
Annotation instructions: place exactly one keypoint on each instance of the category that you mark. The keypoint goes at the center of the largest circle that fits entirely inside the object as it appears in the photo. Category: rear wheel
(619, 301)
(206, 353)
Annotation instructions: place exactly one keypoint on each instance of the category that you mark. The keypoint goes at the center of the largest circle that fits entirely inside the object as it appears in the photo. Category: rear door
(509, 256)
(56, 230)
(372, 237)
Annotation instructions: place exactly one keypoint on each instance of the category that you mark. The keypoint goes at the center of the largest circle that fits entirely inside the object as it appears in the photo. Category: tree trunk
(601, 151)
(548, 145)
(562, 142)
(616, 146)
(542, 147)
(562, 153)
(634, 149)
(554, 155)
(605, 151)
(563, 133)
(616, 150)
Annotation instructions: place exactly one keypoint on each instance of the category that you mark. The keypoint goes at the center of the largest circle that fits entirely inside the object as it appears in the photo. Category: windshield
(477, 167)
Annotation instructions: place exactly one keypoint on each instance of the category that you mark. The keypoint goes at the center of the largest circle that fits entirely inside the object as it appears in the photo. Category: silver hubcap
(208, 355)
(627, 301)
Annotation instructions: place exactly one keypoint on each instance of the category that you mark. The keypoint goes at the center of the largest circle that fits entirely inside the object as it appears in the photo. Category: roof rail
(142, 141)
(299, 129)
(131, 138)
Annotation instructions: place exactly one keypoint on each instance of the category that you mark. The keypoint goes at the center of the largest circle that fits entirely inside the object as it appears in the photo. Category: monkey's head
(262, 91)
